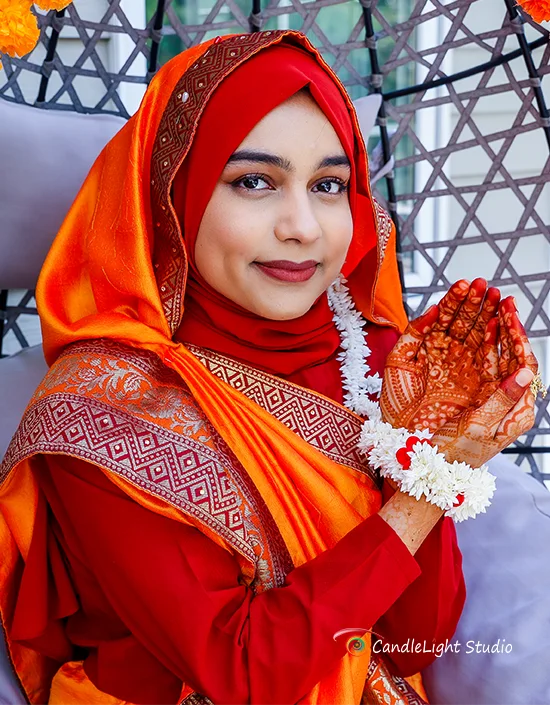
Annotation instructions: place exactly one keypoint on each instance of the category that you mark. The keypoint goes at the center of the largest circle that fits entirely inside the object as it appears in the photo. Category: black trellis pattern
(412, 74)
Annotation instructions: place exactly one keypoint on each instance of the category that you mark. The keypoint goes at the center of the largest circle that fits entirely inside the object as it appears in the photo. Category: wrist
(412, 519)
(420, 506)
(420, 470)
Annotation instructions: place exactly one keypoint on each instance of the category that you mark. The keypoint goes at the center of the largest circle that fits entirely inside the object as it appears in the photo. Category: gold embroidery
(383, 688)
(327, 426)
(87, 407)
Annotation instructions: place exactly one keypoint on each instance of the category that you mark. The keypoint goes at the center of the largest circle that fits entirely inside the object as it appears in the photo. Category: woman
(186, 514)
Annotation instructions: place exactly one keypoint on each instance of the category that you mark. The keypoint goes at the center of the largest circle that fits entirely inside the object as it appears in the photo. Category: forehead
(297, 125)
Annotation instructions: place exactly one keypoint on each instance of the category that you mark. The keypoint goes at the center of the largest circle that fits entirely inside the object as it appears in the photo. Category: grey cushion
(10, 692)
(47, 154)
(507, 570)
(20, 375)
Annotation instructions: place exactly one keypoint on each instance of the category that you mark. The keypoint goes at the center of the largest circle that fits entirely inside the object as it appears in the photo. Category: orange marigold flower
(53, 4)
(538, 9)
(11, 3)
(18, 28)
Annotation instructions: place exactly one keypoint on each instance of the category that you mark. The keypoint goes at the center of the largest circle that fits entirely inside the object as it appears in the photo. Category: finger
(490, 307)
(424, 323)
(515, 385)
(516, 348)
(487, 353)
(521, 347)
(469, 311)
(408, 346)
(491, 414)
(450, 303)
(519, 420)
(505, 362)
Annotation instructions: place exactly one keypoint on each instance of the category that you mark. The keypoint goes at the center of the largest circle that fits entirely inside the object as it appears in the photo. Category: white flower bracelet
(419, 469)
(410, 459)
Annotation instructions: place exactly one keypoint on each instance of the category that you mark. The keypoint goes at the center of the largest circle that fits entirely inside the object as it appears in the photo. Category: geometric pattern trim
(384, 688)
(384, 227)
(87, 407)
(325, 425)
(179, 470)
(196, 699)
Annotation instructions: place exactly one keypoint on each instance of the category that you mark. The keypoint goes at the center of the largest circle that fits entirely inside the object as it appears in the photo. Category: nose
(297, 219)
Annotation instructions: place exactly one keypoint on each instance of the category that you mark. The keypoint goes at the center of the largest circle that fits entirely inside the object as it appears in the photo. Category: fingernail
(524, 377)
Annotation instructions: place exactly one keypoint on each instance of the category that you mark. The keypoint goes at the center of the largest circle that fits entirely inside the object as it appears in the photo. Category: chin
(282, 314)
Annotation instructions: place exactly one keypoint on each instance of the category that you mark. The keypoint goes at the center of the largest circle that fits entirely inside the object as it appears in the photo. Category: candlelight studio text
(455, 647)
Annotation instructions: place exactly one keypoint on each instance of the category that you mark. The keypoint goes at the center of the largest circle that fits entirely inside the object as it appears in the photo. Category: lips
(284, 270)
(286, 264)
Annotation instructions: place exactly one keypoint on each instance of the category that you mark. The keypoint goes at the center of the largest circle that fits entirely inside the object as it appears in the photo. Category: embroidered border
(384, 688)
(183, 472)
(330, 428)
(196, 699)
(384, 225)
(122, 409)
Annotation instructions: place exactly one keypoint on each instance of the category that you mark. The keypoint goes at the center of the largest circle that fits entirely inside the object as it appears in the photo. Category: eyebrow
(250, 155)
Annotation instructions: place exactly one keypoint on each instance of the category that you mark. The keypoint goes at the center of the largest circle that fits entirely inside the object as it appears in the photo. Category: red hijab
(286, 348)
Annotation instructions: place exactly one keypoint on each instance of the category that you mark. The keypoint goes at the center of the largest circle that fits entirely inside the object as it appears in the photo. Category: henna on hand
(516, 348)
(508, 412)
(479, 434)
(462, 370)
(445, 361)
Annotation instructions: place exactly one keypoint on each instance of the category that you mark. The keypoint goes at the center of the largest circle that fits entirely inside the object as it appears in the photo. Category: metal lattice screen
(463, 118)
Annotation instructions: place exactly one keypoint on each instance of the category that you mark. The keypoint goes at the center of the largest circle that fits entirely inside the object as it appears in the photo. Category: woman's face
(278, 226)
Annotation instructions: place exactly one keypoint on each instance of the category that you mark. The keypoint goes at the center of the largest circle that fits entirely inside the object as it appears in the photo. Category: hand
(446, 361)
(480, 433)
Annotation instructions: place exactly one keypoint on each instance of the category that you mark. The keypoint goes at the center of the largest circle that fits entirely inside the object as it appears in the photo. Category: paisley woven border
(123, 410)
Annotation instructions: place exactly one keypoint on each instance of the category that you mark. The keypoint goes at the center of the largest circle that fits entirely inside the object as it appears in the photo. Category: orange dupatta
(117, 271)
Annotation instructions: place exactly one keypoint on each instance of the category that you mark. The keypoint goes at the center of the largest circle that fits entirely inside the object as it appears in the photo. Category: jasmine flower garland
(409, 459)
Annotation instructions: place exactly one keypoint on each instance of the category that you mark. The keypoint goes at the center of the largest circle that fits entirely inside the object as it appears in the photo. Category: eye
(332, 186)
(252, 182)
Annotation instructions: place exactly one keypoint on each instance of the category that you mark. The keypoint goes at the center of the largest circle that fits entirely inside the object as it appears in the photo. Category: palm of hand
(462, 371)
(442, 365)
(444, 378)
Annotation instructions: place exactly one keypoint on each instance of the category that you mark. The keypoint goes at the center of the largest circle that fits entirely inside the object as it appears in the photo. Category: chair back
(44, 158)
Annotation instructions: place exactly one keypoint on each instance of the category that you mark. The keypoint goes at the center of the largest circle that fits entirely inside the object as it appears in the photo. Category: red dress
(163, 604)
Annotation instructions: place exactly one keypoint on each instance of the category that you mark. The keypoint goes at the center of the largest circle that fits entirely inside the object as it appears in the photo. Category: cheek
(341, 229)
(225, 232)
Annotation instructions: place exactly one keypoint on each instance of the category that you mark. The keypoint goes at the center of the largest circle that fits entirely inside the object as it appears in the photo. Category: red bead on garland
(403, 455)
(403, 458)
